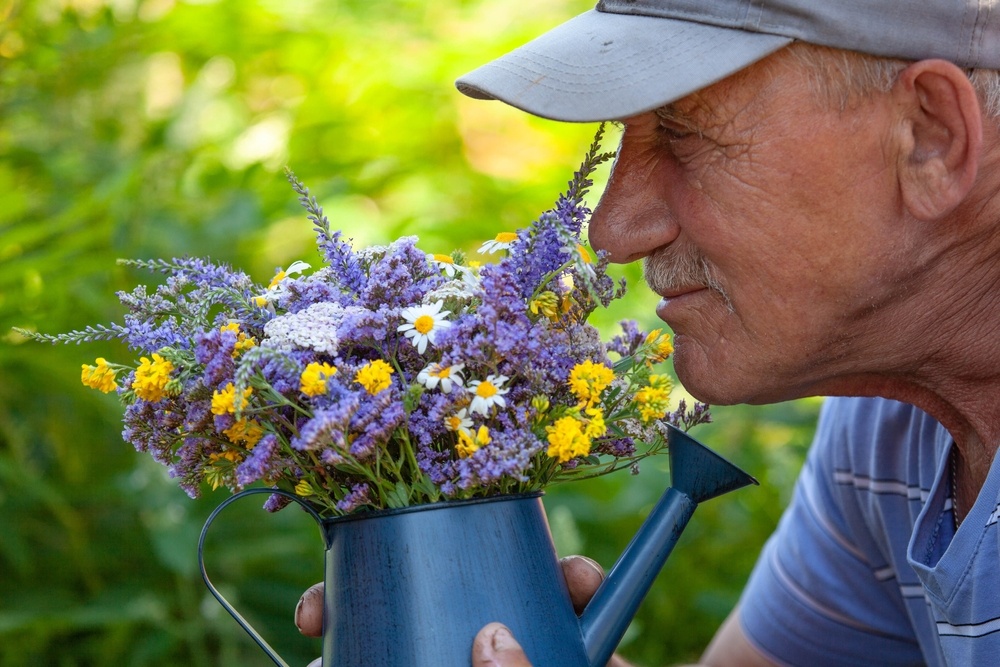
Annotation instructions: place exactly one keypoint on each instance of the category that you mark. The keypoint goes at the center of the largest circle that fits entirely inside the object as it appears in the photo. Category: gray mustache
(676, 267)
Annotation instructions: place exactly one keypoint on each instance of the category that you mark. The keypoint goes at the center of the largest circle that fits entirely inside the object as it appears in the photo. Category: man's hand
(494, 646)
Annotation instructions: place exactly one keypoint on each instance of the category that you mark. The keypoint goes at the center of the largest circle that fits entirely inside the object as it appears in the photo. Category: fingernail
(503, 640)
(298, 614)
(594, 564)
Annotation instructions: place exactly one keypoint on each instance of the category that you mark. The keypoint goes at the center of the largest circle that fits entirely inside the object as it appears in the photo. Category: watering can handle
(271, 653)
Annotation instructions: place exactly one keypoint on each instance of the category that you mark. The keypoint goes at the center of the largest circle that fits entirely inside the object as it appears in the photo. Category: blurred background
(160, 128)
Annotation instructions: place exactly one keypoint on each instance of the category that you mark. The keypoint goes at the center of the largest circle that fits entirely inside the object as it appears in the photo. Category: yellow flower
(303, 489)
(229, 455)
(215, 472)
(151, 378)
(587, 380)
(374, 377)
(243, 341)
(567, 439)
(584, 254)
(547, 303)
(595, 427)
(224, 402)
(659, 346)
(541, 405)
(245, 432)
(654, 401)
(313, 379)
(469, 445)
(100, 377)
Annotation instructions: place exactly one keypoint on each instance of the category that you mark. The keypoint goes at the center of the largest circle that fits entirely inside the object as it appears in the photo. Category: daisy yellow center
(485, 390)
(441, 372)
(444, 259)
(424, 324)
(506, 237)
(278, 277)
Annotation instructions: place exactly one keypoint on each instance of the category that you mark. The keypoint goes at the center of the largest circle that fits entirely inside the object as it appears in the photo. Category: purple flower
(263, 461)
(375, 421)
(328, 428)
(357, 497)
(214, 349)
(399, 278)
(628, 341)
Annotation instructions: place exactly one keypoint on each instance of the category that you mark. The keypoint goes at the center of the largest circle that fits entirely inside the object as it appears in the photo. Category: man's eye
(674, 132)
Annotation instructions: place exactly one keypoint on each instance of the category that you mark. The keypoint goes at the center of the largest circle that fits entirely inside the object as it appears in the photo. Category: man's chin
(709, 383)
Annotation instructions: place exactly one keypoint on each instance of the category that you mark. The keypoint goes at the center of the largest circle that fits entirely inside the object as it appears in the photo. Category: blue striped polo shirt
(865, 567)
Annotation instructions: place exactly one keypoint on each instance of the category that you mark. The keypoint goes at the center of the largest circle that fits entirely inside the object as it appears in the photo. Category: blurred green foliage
(156, 128)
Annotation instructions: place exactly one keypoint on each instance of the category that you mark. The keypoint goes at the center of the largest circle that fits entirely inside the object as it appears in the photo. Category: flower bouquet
(391, 377)
(416, 405)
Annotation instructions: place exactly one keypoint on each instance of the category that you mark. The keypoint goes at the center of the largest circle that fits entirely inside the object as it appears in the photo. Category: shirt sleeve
(814, 597)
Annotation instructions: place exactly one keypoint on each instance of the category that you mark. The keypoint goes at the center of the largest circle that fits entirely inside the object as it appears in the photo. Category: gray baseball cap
(625, 57)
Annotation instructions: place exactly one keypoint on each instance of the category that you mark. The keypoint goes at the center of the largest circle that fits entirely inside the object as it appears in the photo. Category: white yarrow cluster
(314, 328)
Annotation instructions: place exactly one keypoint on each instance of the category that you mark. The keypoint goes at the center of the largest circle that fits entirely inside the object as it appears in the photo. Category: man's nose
(633, 217)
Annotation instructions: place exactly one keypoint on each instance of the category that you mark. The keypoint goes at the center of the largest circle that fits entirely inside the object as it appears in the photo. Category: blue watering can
(412, 587)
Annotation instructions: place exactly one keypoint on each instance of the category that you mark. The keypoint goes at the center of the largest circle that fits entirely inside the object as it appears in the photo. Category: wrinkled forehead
(626, 57)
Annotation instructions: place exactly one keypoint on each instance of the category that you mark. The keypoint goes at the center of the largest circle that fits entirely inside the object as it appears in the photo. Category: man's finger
(496, 647)
(309, 612)
(583, 577)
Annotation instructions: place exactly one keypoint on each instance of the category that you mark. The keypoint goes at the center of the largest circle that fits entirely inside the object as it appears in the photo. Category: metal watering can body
(412, 587)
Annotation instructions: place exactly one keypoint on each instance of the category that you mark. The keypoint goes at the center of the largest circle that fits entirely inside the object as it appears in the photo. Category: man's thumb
(495, 646)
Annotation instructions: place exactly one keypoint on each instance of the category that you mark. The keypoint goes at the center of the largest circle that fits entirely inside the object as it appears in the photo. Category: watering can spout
(697, 474)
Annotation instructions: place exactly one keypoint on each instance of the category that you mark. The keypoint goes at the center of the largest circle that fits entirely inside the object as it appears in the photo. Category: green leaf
(399, 496)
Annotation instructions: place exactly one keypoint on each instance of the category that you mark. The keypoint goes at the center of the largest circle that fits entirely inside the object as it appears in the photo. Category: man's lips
(671, 300)
(678, 292)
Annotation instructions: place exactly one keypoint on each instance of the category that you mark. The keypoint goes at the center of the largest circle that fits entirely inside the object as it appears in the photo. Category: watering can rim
(425, 507)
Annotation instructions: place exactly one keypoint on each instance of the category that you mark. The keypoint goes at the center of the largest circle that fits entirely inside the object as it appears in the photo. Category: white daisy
(274, 290)
(502, 241)
(448, 265)
(488, 392)
(460, 421)
(423, 323)
(445, 375)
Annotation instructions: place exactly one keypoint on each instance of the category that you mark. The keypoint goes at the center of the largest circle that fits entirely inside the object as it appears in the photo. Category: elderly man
(813, 185)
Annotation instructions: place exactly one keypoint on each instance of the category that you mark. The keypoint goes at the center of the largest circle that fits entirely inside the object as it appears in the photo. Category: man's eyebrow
(672, 113)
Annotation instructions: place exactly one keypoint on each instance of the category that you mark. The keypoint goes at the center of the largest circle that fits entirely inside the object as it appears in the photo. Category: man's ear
(942, 135)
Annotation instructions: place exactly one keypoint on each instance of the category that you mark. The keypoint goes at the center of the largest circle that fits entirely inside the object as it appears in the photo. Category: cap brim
(604, 66)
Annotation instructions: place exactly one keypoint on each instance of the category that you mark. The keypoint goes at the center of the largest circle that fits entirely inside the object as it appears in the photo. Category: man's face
(766, 219)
